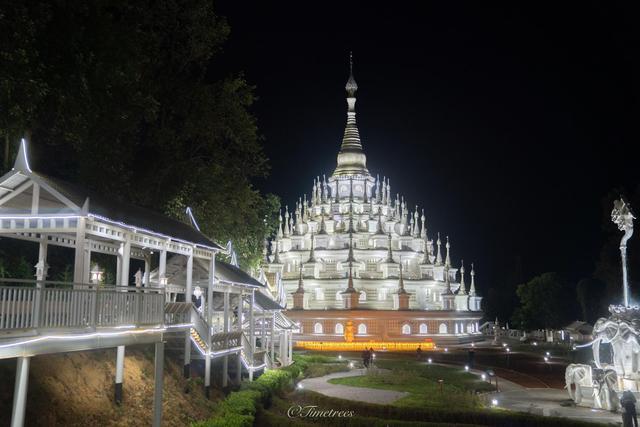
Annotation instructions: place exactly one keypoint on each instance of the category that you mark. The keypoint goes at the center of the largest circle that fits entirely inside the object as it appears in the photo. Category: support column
(157, 389)
(162, 268)
(227, 329)
(252, 324)
(187, 338)
(147, 270)
(239, 368)
(210, 284)
(273, 338)
(78, 264)
(263, 335)
(126, 260)
(119, 373)
(41, 275)
(240, 322)
(290, 348)
(20, 392)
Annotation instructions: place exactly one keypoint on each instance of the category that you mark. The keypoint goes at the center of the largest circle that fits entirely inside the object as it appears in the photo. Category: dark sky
(507, 124)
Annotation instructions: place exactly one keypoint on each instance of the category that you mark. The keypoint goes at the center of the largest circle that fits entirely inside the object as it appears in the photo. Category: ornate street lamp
(96, 274)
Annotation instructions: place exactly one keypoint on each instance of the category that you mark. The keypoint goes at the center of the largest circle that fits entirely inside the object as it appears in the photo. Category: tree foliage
(546, 302)
(130, 99)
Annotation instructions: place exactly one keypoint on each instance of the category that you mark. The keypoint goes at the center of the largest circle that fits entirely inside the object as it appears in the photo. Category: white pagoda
(359, 268)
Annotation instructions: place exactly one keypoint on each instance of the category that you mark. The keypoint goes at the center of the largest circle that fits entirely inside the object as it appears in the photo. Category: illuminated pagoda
(359, 267)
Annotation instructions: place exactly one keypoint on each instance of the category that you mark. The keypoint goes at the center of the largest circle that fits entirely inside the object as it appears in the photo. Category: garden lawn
(421, 382)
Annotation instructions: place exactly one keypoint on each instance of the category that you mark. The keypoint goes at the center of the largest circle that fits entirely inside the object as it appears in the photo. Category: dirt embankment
(77, 389)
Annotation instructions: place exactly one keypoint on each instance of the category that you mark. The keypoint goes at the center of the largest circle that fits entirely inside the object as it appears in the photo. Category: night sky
(508, 124)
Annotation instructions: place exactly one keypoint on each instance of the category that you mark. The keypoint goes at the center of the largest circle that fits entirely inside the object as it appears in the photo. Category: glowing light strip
(23, 142)
(82, 336)
(155, 233)
(30, 217)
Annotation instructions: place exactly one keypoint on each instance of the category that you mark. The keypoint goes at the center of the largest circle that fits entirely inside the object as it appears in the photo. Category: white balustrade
(27, 305)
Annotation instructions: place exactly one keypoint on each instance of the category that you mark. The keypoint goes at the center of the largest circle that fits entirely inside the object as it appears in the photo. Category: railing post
(93, 322)
(37, 304)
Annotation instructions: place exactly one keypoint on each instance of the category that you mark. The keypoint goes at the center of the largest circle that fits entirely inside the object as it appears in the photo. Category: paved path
(369, 395)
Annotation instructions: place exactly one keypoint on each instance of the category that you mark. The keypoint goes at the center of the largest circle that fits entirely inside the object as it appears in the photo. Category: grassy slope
(422, 383)
(76, 389)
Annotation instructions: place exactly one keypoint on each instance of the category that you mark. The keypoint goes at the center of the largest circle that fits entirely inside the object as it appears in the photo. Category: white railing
(28, 304)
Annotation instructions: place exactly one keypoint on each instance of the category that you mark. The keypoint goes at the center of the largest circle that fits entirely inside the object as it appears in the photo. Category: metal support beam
(157, 389)
(119, 373)
(187, 336)
(20, 392)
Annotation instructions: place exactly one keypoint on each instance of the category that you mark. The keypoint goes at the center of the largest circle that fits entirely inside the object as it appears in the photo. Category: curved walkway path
(369, 395)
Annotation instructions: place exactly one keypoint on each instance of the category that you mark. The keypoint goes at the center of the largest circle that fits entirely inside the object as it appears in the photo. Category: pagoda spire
(301, 280)
(379, 230)
(447, 281)
(439, 253)
(286, 221)
(351, 157)
(276, 255)
(351, 257)
(401, 289)
(447, 260)
(389, 251)
(280, 234)
(323, 227)
(312, 255)
(463, 288)
(472, 288)
(423, 231)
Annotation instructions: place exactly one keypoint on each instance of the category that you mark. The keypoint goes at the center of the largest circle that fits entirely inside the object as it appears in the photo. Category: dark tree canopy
(546, 302)
(128, 99)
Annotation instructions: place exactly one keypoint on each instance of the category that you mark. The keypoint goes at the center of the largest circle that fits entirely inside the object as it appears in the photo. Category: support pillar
(273, 338)
(20, 392)
(157, 389)
(78, 263)
(187, 338)
(209, 313)
(126, 260)
(290, 348)
(227, 329)
(252, 324)
(119, 373)
(239, 368)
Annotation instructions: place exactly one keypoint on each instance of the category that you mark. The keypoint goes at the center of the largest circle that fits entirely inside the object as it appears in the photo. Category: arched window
(423, 328)
(362, 329)
(456, 327)
(469, 327)
(319, 294)
(317, 328)
(363, 296)
(339, 328)
(339, 295)
(406, 329)
(443, 328)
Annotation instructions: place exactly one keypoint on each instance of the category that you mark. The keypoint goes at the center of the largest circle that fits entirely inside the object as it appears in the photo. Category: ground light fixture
(546, 359)
(429, 360)
(484, 377)
(548, 354)
(300, 386)
(494, 402)
(446, 350)
(508, 350)
(466, 368)
(340, 356)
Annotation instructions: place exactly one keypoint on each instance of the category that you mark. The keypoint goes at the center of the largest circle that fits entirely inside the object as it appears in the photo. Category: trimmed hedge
(239, 408)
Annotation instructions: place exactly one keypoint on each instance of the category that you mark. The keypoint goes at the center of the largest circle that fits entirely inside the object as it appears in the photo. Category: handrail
(39, 307)
(76, 285)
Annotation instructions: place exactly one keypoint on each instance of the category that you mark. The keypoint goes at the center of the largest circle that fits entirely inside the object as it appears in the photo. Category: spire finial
(351, 86)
